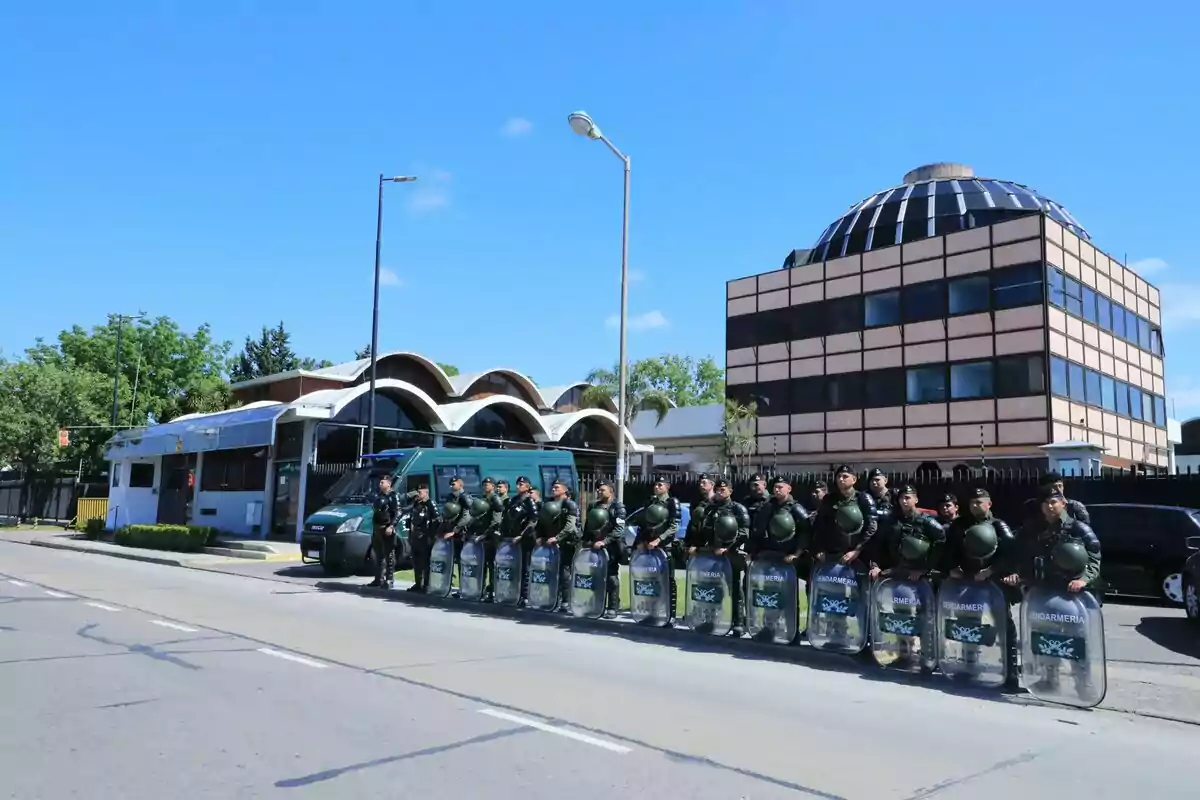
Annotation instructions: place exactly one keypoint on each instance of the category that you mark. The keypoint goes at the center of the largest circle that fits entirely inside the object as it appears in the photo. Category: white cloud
(1148, 266)
(640, 322)
(388, 277)
(431, 191)
(516, 126)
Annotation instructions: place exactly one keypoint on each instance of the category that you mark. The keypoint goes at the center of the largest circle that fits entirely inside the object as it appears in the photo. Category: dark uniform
(944, 520)
(489, 525)
(459, 522)
(520, 517)
(755, 498)
(664, 531)
(386, 515)
(1075, 509)
(424, 519)
(971, 551)
(769, 534)
(563, 527)
(910, 542)
(828, 536)
(885, 502)
(698, 508)
(718, 535)
(611, 531)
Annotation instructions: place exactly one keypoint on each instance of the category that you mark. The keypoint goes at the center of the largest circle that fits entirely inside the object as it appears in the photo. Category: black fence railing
(45, 496)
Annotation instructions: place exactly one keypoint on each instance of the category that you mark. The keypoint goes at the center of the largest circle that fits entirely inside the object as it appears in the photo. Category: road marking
(15, 582)
(102, 607)
(541, 726)
(308, 662)
(59, 595)
(173, 626)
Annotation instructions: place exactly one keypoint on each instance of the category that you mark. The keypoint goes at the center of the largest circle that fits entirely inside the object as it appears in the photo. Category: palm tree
(604, 388)
(738, 439)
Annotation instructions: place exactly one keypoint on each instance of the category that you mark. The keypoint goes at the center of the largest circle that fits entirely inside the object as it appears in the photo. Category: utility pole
(116, 405)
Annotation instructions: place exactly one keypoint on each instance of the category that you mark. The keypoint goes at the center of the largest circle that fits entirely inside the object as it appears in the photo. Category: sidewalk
(58, 539)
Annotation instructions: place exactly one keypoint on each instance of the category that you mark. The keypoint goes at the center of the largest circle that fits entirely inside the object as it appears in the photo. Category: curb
(170, 562)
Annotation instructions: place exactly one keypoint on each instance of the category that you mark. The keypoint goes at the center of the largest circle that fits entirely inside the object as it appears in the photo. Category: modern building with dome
(949, 320)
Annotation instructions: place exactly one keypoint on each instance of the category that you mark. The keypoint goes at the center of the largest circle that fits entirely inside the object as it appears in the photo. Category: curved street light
(584, 125)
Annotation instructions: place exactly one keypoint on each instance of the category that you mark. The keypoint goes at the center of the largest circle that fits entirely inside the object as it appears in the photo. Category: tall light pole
(121, 320)
(375, 305)
(582, 124)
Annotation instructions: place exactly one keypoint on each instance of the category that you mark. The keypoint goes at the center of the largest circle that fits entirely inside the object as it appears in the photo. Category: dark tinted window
(970, 381)
(808, 395)
(1017, 286)
(1058, 377)
(141, 476)
(1156, 341)
(1078, 388)
(884, 388)
(845, 314)
(882, 308)
(773, 398)
(845, 391)
(1017, 376)
(808, 320)
(924, 301)
(774, 326)
(1093, 387)
(1054, 283)
(884, 231)
(740, 331)
(926, 384)
(916, 218)
(741, 393)
(970, 295)
(1073, 294)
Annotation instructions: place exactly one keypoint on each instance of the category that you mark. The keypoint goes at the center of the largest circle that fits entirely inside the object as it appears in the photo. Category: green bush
(178, 538)
(93, 528)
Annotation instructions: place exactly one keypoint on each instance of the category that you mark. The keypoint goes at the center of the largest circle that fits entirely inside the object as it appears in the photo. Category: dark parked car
(1191, 581)
(1144, 548)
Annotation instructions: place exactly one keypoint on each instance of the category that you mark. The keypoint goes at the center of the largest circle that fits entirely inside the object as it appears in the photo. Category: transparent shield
(708, 602)
(972, 630)
(508, 576)
(902, 625)
(772, 599)
(441, 568)
(837, 610)
(589, 583)
(470, 571)
(649, 592)
(1062, 647)
(543, 578)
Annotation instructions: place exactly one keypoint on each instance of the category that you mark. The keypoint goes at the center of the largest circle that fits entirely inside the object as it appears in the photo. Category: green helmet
(1070, 557)
(979, 541)
(849, 517)
(451, 510)
(551, 509)
(913, 548)
(597, 518)
(782, 525)
(725, 526)
(655, 515)
(480, 506)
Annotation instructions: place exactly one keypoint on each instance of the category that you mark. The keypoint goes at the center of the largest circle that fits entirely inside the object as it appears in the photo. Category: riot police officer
(487, 512)
(657, 524)
(726, 528)
(424, 521)
(386, 510)
(910, 542)
(558, 524)
(604, 528)
(756, 496)
(520, 517)
(456, 513)
(780, 526)
(978, 545)
(846, 522)
(697, 510)
(883, 498)
(815, 496)
(947, 510)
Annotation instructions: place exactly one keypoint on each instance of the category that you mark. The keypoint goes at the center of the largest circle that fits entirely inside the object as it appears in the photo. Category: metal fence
(45, 496)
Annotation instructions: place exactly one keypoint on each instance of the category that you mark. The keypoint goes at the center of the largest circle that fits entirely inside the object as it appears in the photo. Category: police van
(338, 535)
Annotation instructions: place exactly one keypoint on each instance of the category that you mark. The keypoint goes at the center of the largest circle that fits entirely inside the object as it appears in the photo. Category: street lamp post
(582, 124)
(121, 320)
(375, 305)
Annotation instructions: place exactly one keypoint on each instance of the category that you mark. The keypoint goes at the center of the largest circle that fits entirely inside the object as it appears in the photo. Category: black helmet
(782, 525)
(1070, 557)
(979, 541)
(655, 514)
(479, 506)
(913, 548)
(597, 518)
(849, 517)
(451, 510)
(551, 509)
(725, 526)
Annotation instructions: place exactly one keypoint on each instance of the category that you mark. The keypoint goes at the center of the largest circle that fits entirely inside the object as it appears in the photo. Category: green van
(338, 536)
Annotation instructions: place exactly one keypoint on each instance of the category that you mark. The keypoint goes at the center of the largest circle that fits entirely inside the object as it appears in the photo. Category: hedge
(179, 538)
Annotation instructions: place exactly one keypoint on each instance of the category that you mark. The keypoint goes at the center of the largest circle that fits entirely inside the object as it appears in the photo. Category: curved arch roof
(353, 370)
(328, 403)
(933, 200)
(461, 383)
(557, 425)
(552, 394)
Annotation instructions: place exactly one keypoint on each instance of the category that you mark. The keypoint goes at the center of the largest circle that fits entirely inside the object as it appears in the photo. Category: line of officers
(878, 531)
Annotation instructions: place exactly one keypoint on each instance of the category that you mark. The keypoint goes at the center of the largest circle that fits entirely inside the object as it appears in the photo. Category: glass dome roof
(933, 200)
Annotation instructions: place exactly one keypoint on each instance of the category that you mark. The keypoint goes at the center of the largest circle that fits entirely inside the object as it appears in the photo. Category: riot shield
(708, 603)
(470, 571)
(1063, 632)
(902, 620)
(508, 576)
(649, 592)
(972, 631)
(772, 607)
(837, 611)
(589, 587)
(441, 567)
(543, 578)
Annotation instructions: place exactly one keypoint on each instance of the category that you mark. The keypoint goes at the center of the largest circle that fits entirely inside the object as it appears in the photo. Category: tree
(738, 434)
(639, 395)
(271, 354)
(365, 352)
(449, 369)
(362, 352)
(658, 384)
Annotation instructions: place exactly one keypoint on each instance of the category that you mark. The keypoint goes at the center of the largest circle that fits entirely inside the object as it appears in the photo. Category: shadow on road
(1177, 634)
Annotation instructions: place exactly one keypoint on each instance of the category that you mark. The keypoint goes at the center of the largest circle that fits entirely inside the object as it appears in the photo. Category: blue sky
(217, 162)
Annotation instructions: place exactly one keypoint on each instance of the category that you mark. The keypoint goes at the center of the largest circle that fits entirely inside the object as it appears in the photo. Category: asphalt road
(123, 679)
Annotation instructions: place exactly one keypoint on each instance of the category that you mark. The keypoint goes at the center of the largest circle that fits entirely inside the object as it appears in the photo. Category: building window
(882, 309)
(116, 474)
(1135, 402)
(470, 478)
(1108, 393)
(845, 391)
(1078, 387)
(241, 470)
(1018, 376)
(1118, 321)
(772, 398)
(971, 381)
(1143, 334)
(1017, 286)
(926, 384)
(884, 388)
(1104, 312)
(1122, 398)
(740, 331)
(1131, 326)
(1074, 296)
(970, 295)
(924, 301)
(1058, 377)
(1093, 387)
(1156, 346)
(1160, 412)
(844, 314)
(808, 395)
(141, 476)
(1089, 305)
(1054, 283)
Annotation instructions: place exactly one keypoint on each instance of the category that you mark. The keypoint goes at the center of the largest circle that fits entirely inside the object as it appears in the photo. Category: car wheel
(1172, 588)
(1191, 600)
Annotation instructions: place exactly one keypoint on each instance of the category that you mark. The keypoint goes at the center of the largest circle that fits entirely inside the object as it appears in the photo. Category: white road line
(308, 662)
(173, 626)
(15, 582)
(102, 607)
(59, 595)
(541, 726)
